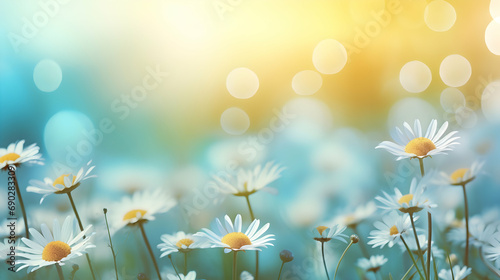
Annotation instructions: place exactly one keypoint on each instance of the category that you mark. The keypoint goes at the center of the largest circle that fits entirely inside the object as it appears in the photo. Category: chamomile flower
(231, 238)
(389, 230)
(422, 239)
(373, 264)
(190, 276)
(412, 143)
(492, 248)
(414, 201)
(354, 218)
(325, 234)
(247, 182)
(458, 273)
(461, 176)
(179, 242)
(15, 154)
(245, 275)
(62, 184)
(56, 247)
(479, 232)
(141, 207)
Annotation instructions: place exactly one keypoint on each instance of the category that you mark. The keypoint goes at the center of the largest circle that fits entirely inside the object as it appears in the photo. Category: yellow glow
(134, 214)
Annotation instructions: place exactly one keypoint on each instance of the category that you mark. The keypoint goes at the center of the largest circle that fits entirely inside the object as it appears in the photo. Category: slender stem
(324, 262)
(149, 249)
(420, 253)
(235, 265)
(21, 203)
(185, 263)
(361, 243)
(175, 269)
(429, 244)
(252, 216)
(412, 258)
(59, 272)
(111, 243)
(279, 275)
(451, 268)
(422, 172)
(81, 228)
(466, 260)
(407, 272)
(341, 257)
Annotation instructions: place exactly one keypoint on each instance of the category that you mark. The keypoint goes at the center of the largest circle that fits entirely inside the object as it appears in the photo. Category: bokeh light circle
(490, 102)
(440, 15)
(409, 109)
(415, 76)
(47, 75)
(235, 121)
(69, 137)
(242, 83)
(495, 9)
(455, 70)
(307, 82)
(329, 56)
(492, 37)
(452, 99)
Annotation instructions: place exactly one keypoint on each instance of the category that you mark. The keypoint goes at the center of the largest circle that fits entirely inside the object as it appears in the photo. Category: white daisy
(458, 273)
(179, 242)
(461, 176)
(141, 207)
(60, 245)
(190, 276)
(390, 229)
(479, 232)
(325, 234)
(492, 248)
(412, 202)
(422, 239)
(245, 275)
(373, 264)
(354, 218)
(231, 238)
(63, 184)
(15, 155)
(412, 143)
(247, 182)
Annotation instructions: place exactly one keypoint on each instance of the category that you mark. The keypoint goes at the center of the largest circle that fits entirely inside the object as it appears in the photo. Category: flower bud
(354, 238)
(286, 256)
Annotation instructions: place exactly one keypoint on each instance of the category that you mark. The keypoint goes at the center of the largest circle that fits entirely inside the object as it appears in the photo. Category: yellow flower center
(186, 241)
(60, 180)
(405, 199)
(420, 146)
(349, 219)
(55, 251)
(458, 175)
(9, 156)
(393, 230)
(235, 240)
(321, 229)
(136, 213)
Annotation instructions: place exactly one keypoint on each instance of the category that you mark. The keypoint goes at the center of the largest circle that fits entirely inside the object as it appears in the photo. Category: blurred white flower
(374, 263)
(492, 248)
(179, 242)
(414, 201)
(325, 234)
(354, 218)
(461, 176)
(458, 273)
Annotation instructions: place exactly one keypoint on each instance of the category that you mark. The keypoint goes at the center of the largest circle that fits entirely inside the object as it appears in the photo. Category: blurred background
(165, 94)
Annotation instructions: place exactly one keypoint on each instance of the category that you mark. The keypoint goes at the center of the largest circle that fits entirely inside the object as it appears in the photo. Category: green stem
(252, 217)
(411, 256)
(341, 257)
(429, 244)
(235, 265)
(81, 228)
(422, 172)
(420, 253)
(324, 261)
(59, 272)
(451, 268)
(175, 269)
(279, 275)
(185, 263)
(407, 272)
(149, 249)
(111, 243)
(21, 203)
(466, 260)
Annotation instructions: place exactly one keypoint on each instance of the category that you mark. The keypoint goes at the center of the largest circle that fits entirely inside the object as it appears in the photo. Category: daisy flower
(374, 263)
(325, 234)
(231, 238)
(245, 275)
(412, 143)
(179, 242)
(354, 218)
(412, 202)
(247, 182)
(492, 249)
(422, 239)
(190, 276)
(389, 230)
(62, 184)
(141, 207)
(458, 273)
(461, 176)
(15, 154)
(56, 247)
(479, 233)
